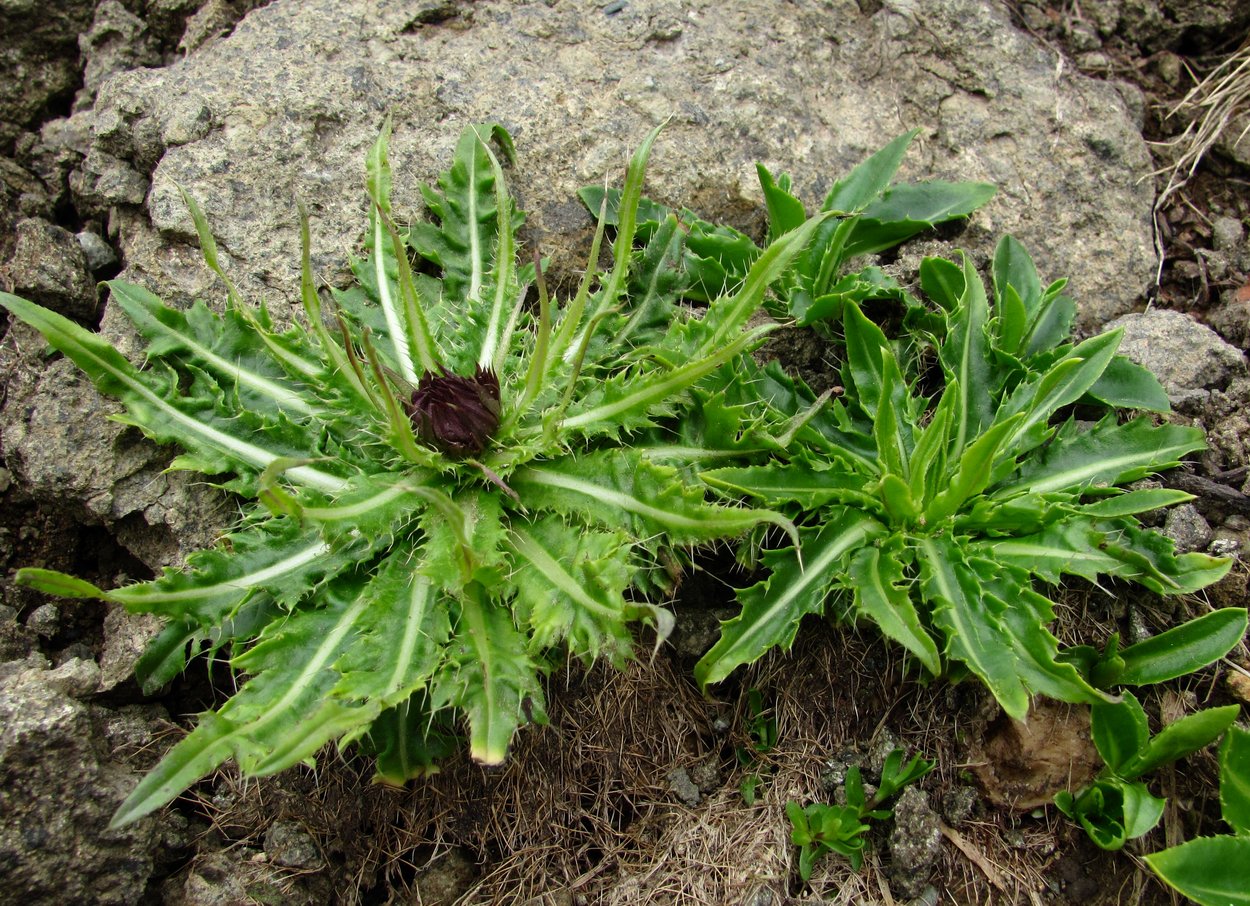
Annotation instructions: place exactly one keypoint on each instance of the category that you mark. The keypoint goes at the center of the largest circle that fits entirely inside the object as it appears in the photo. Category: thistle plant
(963, 465)
(445, 498)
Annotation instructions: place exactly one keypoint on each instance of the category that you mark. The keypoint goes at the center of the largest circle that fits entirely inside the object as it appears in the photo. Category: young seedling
(819, 829)
(1176, 652)
(1117, 806)
(1215, 871)
(762, 729)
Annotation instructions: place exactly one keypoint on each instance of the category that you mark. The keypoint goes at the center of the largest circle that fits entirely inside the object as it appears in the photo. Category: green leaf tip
(51, 582)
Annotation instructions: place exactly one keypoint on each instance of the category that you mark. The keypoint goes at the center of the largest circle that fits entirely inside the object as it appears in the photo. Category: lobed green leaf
(219, 444)
(971, 622)
(881, 594)
(771, 610)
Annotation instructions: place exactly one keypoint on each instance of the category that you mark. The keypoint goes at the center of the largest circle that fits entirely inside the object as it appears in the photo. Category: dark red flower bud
(456, 414)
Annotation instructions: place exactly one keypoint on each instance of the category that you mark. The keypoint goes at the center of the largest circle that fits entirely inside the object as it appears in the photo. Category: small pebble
(1238, 685)
(44, 620)
(98, 252)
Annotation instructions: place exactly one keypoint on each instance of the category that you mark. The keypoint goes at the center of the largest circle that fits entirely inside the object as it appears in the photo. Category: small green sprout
(1215, 871)
(1117, 806)
(819, 829)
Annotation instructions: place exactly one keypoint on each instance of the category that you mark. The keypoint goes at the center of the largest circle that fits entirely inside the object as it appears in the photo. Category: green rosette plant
(818, 829)
(442, 495)
(936, 490)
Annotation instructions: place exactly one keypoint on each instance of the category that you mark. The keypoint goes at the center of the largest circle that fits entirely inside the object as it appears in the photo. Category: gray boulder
(49, 266)
(803, 87)
(116, 41)
(22, 195)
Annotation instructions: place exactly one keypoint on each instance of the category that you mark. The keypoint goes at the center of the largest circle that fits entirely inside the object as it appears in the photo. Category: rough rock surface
(1188, 358)
(802, 87)
(58, 790)
(1231, 319)
(38, 59)
(915, 842)
(241, 875)
(49, 266)
(58, 441)
(1227, 421)
(116, 41)
(1187, 528)
(1157, 24)
(21, 196)
(806, 87)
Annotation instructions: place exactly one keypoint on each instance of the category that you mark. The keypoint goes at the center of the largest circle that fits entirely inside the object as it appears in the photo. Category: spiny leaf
(865, 183)
(493, 679)
(785, 212)
(1235, 780)
(225, 345)
(573, 586)
(904, 210)
(1180, 738)
(771, 610)
(293, 663)
(279, 558)
(971, 622)
(1066, 381)
(1109, 452)
(395, 649)
(615, 488)
(149, 405)
(965, 357)
(881, 595)
(797, 481)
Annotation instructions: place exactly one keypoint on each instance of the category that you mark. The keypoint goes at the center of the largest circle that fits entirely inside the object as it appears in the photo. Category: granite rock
(58, 790)
(1189, 358)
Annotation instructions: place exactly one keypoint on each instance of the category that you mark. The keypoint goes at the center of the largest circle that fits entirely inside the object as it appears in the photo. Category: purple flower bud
(456, 414)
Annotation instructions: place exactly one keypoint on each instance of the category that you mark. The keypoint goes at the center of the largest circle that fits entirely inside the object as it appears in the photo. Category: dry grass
(1209, 110)
(584, 812)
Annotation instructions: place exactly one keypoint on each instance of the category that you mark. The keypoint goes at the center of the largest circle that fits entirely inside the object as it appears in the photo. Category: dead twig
(976, 857)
